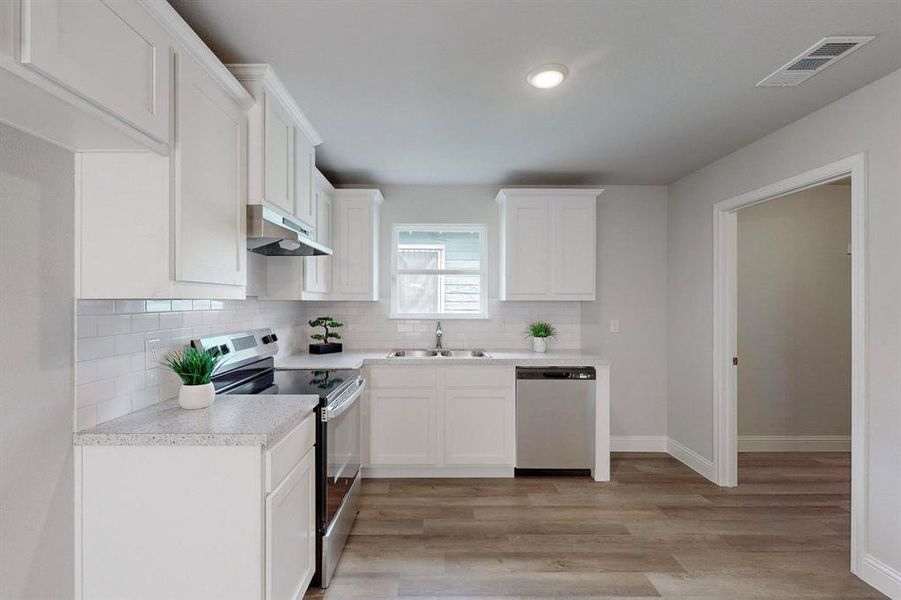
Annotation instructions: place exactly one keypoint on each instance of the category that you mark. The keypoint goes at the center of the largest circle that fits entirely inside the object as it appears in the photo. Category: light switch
(614, 325)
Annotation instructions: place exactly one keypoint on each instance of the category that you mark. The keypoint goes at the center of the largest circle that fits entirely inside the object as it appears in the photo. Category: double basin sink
(439, 353)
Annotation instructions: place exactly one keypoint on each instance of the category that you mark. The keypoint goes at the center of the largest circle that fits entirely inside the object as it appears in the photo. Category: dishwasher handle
(576, 373)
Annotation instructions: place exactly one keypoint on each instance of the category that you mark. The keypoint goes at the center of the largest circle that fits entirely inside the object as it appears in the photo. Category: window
(439, 271)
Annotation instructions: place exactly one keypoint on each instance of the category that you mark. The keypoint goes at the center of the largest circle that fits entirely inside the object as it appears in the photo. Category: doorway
(725, 327)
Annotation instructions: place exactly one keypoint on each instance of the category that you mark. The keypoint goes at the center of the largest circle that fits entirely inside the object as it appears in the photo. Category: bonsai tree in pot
(325, 346)
(194, 367)
(540, 331)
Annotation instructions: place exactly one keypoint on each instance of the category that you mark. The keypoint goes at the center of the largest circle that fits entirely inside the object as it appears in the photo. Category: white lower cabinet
(403, 427)
(196, 522)
(441, 420)
(291, 533)
(478, 427)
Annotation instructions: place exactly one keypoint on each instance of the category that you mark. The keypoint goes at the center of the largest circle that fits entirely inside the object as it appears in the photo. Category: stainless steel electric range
(248, 368)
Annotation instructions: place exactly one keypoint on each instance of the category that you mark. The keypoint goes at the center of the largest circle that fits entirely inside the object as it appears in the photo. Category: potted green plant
(326, 346)
(540, 331)
(194, 367)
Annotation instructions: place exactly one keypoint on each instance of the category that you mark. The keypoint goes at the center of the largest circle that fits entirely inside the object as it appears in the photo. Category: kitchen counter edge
(232, 420)
(359, 359)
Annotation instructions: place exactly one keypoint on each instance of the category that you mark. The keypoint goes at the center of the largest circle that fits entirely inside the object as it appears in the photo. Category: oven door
(342, 430)
(339, 491)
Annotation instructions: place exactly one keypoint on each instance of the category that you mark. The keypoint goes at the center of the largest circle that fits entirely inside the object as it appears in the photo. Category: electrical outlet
(156, 349)
(614, 325)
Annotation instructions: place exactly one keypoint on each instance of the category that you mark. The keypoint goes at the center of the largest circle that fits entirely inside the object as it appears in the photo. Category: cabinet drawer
(282, 457)
(411, 377)
(470, 377)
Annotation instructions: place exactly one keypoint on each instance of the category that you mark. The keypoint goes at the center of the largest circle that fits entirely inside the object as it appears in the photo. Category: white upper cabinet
(210, 241)
(173, 227)
(278, 155)
(548, 244)
(305, 204)
(113, 54)
(318, 269)
(355, 242)
(281, 147)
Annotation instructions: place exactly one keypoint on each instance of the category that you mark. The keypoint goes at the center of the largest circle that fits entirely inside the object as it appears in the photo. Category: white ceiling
(434, 92)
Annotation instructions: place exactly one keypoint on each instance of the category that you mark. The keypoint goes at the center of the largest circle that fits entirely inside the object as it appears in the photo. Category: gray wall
(868, 120)
(794, 315)
(36, 368)
(631, 276)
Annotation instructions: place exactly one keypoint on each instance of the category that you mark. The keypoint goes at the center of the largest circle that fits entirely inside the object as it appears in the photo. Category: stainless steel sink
(413, 353)
(436, 353)
(465, 354)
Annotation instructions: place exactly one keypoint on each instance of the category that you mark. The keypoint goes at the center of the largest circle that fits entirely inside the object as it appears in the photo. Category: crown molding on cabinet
(265, 74)
(163, 12)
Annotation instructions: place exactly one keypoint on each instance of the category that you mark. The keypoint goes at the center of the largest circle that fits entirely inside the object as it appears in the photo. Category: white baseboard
(881, 576)
(638, 443)
(691, 459)
(794, 443)
(405, 472)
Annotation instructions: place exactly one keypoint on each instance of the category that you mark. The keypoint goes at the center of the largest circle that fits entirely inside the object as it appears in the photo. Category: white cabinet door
(210, 165)
(305, 166)
(573, 224)
(355, 215)
(317, 269)
(479, 427)
(402, 427)
(291, 532)
(278, 161)
(112, 54)
(526, 248)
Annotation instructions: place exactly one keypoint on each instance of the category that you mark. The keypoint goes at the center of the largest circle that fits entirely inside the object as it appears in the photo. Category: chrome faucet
(438, 335)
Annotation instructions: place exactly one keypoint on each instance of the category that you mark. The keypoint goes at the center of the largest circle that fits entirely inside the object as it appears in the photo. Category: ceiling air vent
(826, 52)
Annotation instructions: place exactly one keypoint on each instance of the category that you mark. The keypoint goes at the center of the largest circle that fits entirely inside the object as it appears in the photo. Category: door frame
(725, 329)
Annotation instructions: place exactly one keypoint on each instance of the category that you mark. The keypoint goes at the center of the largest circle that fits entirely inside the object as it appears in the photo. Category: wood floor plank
(658, 529)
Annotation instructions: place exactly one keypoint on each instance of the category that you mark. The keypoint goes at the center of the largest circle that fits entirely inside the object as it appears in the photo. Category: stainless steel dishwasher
(554, 420)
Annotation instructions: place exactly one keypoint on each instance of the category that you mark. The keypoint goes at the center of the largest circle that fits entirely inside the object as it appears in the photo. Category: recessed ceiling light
(547, 76)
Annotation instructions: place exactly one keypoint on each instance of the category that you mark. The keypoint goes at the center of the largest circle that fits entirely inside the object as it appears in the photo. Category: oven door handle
(335, 411)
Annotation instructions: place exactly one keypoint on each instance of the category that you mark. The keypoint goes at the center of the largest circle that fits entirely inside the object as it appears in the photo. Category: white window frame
(482, 272)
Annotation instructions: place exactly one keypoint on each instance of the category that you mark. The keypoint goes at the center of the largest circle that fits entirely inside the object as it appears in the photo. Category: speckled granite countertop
(239, 420)
(355, 360)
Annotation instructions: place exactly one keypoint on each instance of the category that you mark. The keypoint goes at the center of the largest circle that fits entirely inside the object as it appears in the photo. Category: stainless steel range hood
(271, 234)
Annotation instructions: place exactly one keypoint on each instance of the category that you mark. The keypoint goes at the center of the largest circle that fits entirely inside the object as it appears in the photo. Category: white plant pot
(196, 396)
(539, 344)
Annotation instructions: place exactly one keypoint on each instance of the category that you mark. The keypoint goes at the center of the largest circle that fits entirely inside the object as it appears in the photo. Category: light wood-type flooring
(657, 529)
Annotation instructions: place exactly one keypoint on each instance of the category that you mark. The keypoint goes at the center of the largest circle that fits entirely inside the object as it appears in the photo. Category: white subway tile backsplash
(158, 305)
(96, 307)
(113, 324)
(94, 392)
(98, 347)
(114, 407)
(86, 416)
(128, 343)
(171, 320)
(86, 326)
(129, 306)
(113, 366)
(119, 371)
(85, 371)
(147, 322)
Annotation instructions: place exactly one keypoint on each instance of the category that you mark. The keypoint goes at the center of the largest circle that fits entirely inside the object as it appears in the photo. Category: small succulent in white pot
(195, 368)
(540, 331)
